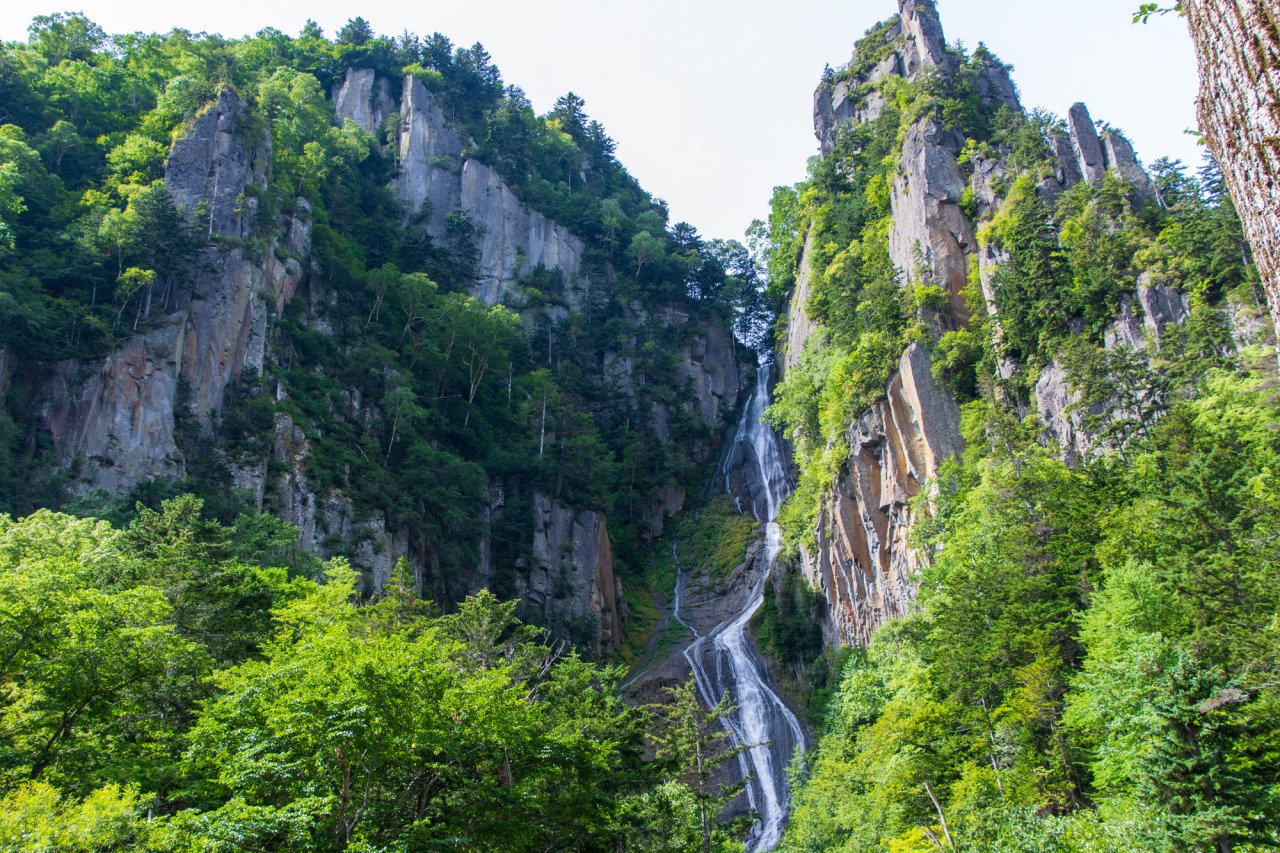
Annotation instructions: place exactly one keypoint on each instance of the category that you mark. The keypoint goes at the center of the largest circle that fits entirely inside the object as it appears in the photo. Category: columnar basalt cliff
(862, 559)
(113, 421)
(116, 422)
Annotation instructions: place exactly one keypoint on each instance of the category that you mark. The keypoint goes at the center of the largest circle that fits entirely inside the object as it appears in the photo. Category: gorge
(382, 470)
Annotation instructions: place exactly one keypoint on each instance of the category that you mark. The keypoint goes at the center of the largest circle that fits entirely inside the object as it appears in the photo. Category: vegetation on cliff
(1091, 661)
(414, 398)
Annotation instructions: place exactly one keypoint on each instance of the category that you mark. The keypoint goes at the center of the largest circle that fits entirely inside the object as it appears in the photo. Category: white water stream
(725, 659)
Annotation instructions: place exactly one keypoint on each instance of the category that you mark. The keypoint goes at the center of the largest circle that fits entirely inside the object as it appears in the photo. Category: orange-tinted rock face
(863, 564)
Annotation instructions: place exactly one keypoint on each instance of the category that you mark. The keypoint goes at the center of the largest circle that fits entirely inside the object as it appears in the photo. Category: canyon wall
(114, 422)
(862, 560)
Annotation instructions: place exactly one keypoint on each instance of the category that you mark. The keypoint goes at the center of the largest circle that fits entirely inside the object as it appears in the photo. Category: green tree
(693, 740)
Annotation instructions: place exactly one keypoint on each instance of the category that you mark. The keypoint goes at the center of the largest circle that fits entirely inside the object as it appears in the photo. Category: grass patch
(710, 538)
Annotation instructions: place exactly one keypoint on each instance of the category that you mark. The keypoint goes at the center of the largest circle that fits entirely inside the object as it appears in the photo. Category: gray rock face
(1069, 173)
(1120, 158)
(430, 159)
(1059, 411)
(1249, 324)
(709, 363)
(799, 326)
(1161, 305)
(1084, 139)
(919, 47)
(989, 177)
(116, 416)
(510, 239)
(1126, 330)
(364, 98)
(1143, 321)
(210, 167)
(571, 583)
(863, 564)
(931, 237)
(328, 524)
(1090, 157)
(995, 85)
(925, 45)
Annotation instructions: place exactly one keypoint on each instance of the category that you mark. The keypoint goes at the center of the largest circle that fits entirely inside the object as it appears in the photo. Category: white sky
(710, 101)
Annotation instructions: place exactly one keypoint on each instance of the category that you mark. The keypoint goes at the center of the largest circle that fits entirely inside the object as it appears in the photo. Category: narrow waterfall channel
(724, 658)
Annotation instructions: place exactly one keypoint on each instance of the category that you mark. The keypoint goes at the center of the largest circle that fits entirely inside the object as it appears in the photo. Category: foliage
(1093, 644)
(162, 695)
(413, 398)
(1090, 664)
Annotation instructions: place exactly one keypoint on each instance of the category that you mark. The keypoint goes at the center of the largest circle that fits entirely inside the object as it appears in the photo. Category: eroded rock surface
(112, 421)
(863, 564)
(437, 180)
(572, 583)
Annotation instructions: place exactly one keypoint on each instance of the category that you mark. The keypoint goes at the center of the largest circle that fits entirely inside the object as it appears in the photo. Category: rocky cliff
(112, 422)
(862, 559)
(437, 180)
(115, 423)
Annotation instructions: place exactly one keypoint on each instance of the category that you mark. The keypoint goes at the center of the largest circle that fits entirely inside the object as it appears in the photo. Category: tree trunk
(1238, 50)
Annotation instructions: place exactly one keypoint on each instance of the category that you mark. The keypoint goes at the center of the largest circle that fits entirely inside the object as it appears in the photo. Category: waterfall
(724, 659)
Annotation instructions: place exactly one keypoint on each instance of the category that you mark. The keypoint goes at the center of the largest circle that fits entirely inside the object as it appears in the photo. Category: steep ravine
(725, 658)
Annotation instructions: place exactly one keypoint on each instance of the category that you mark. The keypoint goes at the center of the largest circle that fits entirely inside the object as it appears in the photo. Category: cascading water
(724, 659)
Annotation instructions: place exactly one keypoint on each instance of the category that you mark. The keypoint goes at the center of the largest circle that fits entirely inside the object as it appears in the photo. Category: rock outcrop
(131, 417)
(862, 561)
(511, 240)
(112, 421)
(364, 98)
(1141, 325)
(799, 327)
(931, 237)
(437, 181)
(572, 585)
(1096, 155)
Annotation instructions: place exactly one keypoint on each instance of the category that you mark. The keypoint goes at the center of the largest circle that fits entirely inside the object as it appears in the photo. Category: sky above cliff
(710, 101)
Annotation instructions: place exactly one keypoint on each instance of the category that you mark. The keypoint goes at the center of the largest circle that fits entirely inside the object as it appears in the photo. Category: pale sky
(710, 101)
